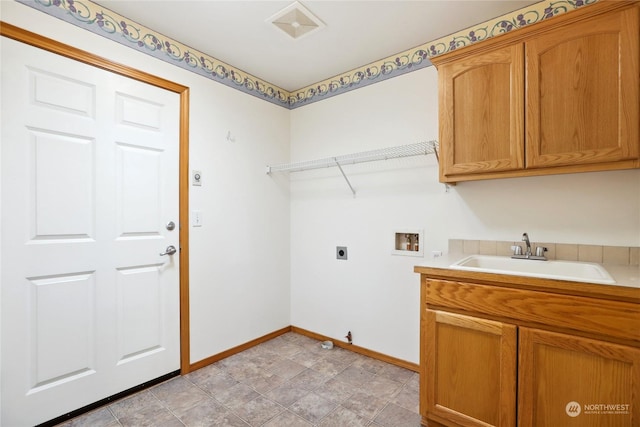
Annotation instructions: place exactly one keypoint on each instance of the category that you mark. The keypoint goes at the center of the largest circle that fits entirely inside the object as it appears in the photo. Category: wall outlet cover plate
(341, 252)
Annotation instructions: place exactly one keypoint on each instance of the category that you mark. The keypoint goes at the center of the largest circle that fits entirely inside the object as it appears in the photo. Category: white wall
(375, 294)
(239, 265)
(240, 262)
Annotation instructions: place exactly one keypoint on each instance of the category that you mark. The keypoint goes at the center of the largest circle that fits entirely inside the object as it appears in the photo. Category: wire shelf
(418, 149)
(410, 150)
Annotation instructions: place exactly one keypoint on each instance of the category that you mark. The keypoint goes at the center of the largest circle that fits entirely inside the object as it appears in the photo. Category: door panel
(482, 113)
(582, 92)
(557, 371)
(60, 93)
(139, 314)
(63, 194)
(469, 388)
(89, 178)
(62, 342)
(138, 191)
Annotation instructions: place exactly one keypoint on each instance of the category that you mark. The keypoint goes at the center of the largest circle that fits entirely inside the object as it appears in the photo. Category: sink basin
(559, 270)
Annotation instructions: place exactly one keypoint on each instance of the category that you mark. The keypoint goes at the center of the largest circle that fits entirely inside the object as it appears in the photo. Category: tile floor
(287, 381)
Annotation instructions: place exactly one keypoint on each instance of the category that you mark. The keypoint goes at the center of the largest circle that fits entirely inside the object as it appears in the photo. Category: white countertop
(624, 275)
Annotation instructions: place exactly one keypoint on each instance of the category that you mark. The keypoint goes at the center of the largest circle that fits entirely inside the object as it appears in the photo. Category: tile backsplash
(618, 255)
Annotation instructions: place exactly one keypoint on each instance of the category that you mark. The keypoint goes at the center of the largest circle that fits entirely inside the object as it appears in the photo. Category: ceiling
(356, 32)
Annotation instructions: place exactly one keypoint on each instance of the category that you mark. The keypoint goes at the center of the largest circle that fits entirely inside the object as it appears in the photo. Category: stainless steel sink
(559, 270)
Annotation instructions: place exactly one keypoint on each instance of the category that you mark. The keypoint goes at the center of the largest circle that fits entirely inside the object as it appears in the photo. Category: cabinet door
(470, 370)
(482, 112)
(569, 381)
(582, 92)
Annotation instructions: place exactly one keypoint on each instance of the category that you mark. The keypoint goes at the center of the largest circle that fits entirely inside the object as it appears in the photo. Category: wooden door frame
(41, 42)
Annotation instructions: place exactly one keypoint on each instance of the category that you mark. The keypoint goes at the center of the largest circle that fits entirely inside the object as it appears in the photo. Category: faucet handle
(540, 250)
(517, 249)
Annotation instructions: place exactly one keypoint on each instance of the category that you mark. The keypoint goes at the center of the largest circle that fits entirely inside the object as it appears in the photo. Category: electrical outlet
(436, 254)
(341, 252)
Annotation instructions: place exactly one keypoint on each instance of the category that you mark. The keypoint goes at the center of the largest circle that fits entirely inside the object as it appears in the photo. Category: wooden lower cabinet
(501, 355)
(566, 380)
(472, 366)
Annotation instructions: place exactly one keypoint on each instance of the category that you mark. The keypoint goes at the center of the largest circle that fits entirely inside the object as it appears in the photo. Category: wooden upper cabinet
(559, 96)
(582, 92)
(482, 112)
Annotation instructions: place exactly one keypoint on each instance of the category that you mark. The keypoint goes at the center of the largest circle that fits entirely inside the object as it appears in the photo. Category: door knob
(169, 251)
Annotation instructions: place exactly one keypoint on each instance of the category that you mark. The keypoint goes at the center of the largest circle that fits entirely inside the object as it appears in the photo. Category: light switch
(196, 218)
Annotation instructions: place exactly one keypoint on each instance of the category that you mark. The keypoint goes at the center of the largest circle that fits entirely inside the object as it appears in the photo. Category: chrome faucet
(540, 250)
(525, 238)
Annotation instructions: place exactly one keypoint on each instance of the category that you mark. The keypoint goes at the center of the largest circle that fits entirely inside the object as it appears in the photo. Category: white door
(89, 173)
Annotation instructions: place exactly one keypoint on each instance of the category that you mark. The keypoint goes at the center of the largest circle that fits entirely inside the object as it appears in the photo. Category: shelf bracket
(435, 152)
(345, 177)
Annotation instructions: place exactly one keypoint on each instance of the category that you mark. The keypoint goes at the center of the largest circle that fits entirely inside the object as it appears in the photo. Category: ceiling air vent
(296, 20)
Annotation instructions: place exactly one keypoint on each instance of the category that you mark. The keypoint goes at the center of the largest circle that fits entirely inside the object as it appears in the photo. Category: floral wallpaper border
(102, 21)
(418, 57)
